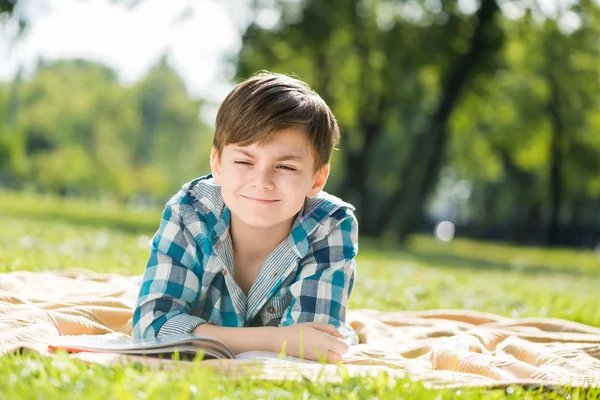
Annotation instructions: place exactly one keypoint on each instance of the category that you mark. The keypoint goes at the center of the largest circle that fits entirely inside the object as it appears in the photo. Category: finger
(330, 342)
(333, 357)
(336, 341)
(338, 345)
(328, 328)
(336, 332)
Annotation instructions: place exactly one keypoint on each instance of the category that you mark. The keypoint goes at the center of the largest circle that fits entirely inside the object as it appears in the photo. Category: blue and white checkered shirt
(189, 277)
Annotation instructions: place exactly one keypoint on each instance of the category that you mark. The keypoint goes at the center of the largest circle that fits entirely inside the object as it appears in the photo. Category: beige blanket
(439, 347)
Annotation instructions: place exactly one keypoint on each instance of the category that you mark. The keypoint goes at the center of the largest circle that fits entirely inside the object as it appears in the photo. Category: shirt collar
(206, 196)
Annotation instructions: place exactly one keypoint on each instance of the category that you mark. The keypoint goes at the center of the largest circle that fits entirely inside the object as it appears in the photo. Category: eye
(243, 162)
(286, 168)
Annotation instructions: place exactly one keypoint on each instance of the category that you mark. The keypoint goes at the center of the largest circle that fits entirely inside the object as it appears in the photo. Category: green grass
(106, 213)
(36, 377)
(50, 234)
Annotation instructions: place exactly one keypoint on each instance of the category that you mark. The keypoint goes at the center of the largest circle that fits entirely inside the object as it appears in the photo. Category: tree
(77, 130)
(387, 89)
(525, 137)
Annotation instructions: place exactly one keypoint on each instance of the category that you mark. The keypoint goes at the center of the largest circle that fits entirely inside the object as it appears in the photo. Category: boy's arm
(325, 280)
(311, 341)
(171, 282)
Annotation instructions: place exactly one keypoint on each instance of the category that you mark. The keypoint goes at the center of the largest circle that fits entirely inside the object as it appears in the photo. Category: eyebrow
(286, 157)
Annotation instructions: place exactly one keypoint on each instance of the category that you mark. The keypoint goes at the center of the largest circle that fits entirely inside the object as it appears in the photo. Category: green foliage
(519, 124)
(503, 133)
(384, 68)
(74, 129)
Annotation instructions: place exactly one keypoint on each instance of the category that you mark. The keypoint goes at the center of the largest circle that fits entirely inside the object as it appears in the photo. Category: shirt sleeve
(171, 282)
(325, 280)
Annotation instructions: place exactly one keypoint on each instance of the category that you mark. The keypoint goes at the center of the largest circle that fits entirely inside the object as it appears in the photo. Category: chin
(261, 226)
(261, 223)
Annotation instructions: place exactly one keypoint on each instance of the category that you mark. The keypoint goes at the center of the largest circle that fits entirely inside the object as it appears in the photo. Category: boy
(256, 254)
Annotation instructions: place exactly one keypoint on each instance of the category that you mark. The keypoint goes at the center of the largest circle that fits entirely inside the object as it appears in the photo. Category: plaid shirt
(189, 279)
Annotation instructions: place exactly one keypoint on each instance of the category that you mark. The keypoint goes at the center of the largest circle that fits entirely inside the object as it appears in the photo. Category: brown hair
(260, 107)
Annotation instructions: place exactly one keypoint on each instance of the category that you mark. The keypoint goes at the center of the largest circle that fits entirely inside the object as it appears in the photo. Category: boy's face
(265, 186)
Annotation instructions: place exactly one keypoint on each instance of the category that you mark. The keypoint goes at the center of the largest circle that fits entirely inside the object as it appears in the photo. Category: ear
(319, 181)
(215, 165)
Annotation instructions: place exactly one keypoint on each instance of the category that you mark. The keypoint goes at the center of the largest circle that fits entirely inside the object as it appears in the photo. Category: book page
(268, 356)
(188, 343)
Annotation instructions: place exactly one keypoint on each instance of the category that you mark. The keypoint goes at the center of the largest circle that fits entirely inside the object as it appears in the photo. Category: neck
(258, 242)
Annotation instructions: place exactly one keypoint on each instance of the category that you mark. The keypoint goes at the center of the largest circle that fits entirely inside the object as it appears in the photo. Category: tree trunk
(556, 164)
(420, 172)
(372, 110)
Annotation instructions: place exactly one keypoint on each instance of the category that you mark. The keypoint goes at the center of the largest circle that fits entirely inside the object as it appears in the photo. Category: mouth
(260, 201)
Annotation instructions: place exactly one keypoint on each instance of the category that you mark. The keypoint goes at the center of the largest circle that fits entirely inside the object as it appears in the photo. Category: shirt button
(224, 272)
(271, 309)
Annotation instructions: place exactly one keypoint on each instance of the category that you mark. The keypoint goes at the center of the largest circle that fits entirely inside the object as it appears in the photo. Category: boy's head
(256, 110)
(271, 150)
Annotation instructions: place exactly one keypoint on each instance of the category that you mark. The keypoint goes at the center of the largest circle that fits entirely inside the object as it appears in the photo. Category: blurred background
(467, 118)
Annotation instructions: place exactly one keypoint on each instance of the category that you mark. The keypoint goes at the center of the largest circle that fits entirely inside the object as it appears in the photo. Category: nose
(262, 178)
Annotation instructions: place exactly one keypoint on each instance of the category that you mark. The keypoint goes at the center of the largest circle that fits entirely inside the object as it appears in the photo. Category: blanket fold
(442, 348)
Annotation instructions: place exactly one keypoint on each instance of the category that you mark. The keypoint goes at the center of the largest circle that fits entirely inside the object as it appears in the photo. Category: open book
(186, 345)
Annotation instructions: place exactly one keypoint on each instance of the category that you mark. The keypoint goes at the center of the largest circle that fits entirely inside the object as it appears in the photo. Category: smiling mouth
(260, 201)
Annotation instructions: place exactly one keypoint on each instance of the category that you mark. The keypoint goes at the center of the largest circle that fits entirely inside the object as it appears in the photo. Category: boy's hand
(312, 341)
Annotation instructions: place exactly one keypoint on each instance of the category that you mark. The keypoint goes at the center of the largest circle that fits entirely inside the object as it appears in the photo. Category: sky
(195, 35)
